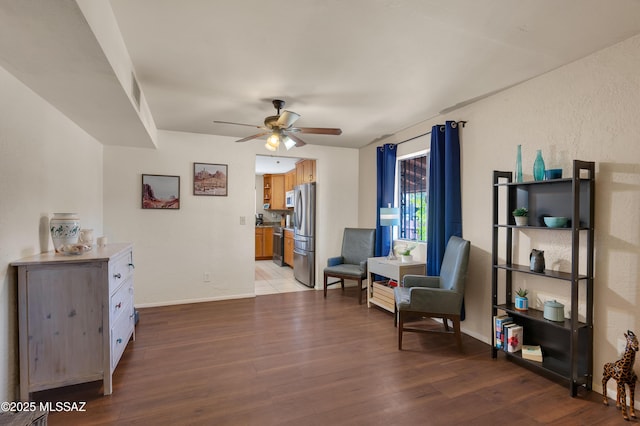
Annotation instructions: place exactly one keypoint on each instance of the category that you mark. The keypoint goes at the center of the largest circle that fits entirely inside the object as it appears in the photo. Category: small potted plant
(522, 303)
(404, 251)
(521, 215)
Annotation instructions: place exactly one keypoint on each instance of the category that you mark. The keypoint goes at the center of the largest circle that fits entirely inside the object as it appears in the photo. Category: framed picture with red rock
(160, 192)
(209, 179)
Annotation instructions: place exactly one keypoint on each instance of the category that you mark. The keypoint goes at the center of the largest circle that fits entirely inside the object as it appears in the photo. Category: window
(413, 196)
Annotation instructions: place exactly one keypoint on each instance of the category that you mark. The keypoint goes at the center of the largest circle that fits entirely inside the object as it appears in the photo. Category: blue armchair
(435, 297)
(357, 246)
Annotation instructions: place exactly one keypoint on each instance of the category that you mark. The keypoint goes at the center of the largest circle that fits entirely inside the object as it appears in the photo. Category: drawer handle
(131, 265)
(118, 341)
(117, 275)
(119, 305)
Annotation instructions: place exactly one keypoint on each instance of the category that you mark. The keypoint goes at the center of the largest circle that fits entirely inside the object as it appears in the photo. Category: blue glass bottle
(538, 166)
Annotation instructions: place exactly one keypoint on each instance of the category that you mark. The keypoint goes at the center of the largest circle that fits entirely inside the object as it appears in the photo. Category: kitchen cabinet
(305, 171)
(288, 247)
(264, 243)
(75, 317)
(277, 193)
(273, 191)
(567, 345)
(266, 189)
(290, 180)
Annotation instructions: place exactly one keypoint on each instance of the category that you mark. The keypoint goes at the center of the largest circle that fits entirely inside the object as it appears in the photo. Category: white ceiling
(273, 164)
(370, 67)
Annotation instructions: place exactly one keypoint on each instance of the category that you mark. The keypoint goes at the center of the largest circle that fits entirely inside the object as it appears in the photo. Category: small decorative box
(554, 311)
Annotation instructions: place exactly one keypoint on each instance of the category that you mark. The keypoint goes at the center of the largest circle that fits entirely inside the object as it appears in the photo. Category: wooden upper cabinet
(266, 188)
(289, 180)
(277, 193)
(305, 171)
(274, 192)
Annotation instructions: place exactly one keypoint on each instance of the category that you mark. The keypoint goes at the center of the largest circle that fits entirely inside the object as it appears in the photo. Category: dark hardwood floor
(298, 359)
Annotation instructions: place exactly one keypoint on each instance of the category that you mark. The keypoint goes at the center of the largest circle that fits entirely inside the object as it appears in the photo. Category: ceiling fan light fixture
(288, 142)
(279, 128)
(273, 142)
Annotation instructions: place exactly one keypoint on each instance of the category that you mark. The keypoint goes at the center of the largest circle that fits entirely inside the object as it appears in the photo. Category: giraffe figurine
(622, 372)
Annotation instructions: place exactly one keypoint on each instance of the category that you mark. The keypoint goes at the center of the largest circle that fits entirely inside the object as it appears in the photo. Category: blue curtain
(445, 200)
(386, 160)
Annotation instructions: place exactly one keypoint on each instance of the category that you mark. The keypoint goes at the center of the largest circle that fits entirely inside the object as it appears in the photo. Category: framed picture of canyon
(160, 192)
(209, 179)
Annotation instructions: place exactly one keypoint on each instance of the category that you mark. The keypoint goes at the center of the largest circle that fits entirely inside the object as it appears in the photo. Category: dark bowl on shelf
(553, 174)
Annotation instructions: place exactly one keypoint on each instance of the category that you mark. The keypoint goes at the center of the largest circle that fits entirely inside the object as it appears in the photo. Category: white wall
(586, 110)
(47, 165)
(173, 249)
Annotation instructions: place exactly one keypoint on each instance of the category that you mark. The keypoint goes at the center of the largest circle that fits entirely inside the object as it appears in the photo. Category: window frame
(397, 197)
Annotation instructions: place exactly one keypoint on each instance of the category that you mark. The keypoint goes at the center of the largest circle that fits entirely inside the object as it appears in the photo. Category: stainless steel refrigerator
(304, 242)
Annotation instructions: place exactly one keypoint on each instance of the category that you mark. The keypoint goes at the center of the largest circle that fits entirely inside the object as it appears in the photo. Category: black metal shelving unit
(568, 345)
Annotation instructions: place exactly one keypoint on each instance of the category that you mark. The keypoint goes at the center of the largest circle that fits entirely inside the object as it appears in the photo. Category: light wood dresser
(75, 316)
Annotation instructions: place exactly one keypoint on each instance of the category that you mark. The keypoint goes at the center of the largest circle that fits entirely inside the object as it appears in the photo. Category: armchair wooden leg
(325, 286)
(400, 328)
(456, 331)
(446, 323)
(395, 315)
(360, 291)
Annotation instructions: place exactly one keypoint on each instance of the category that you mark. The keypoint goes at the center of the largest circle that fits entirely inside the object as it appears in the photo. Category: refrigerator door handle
(298, 209)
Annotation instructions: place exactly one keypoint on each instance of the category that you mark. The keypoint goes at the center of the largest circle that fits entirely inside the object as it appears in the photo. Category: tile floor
(271, 278)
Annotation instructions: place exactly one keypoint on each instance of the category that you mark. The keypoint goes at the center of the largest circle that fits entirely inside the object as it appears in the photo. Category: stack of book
(532, 352)
(509, 337)
(500, 322)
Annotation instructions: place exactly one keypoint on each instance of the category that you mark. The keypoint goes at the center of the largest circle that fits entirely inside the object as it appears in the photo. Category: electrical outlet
(206, 277)
(243, 220)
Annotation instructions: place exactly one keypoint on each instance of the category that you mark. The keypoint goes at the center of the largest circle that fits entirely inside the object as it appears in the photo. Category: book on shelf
(513, 338)
(500, 321)
(532, 352)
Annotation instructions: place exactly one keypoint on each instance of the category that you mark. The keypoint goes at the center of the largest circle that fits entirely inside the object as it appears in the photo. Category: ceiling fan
(280, 129)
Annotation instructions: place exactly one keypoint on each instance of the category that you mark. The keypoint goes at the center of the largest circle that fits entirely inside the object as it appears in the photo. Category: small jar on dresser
(75, 316)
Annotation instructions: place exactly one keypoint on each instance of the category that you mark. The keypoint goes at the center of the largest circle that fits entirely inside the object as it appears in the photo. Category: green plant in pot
(521, 215)
(522, 303)
(404, 251)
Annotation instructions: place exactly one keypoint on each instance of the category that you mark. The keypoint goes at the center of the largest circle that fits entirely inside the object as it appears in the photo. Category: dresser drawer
(120, 269)
(121, 332)
(120, 300)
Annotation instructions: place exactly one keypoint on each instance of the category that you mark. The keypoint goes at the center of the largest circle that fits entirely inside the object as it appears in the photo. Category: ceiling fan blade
(238, 124)
(248, 138)
(299, 142)
(317, 130)
(287, 118)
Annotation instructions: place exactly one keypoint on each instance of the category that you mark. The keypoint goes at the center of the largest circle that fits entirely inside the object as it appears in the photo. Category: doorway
(271, 278)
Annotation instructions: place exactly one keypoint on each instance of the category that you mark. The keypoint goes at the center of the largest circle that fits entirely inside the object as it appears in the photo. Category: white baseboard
(187, 301)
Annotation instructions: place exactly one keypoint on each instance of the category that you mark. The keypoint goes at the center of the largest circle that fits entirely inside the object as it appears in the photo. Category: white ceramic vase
(65, 229)
(405, 258)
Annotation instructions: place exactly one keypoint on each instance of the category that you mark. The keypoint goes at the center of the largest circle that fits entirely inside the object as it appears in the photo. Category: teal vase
(538, 166)
(519, 164)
